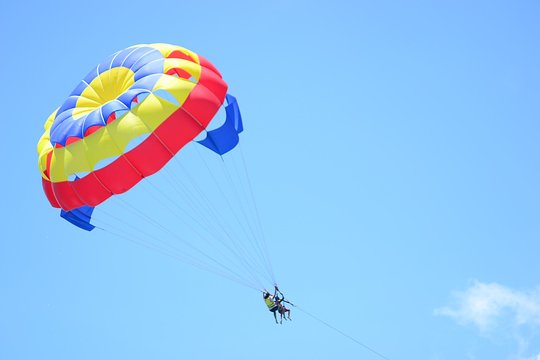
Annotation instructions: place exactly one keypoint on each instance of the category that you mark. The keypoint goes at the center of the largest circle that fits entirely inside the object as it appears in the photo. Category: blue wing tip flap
(79, 217)
(225, 138)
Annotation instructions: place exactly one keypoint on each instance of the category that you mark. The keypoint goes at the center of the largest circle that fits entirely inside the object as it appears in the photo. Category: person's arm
(278, 292)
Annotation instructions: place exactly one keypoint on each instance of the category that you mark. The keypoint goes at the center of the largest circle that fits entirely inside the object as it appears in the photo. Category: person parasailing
(275, 304)
(284, 312)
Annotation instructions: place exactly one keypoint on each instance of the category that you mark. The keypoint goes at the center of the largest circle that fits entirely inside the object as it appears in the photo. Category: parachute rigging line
(249, 268)
(232, 241)
(172, 251)
(246, 229)
(174, 235)
(210, 264)
(257, 240)
(161, 251)
(259, 222)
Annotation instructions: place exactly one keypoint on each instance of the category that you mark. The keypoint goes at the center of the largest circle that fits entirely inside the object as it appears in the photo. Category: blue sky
(393, 151)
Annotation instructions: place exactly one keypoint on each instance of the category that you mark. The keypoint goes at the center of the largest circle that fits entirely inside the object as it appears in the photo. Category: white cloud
(494, 308)
(488, 306)
(534, 357)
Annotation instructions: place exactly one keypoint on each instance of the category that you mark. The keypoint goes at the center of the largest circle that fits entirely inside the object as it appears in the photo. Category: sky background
(394, 156)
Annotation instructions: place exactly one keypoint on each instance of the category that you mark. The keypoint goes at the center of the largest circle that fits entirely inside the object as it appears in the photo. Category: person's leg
(275, 316)
(284, 312)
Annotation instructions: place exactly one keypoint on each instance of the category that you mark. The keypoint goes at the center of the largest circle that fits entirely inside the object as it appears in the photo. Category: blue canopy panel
(225, 138)
(79, 217)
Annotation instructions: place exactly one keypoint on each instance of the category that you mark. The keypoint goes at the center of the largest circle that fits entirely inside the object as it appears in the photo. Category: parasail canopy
(125, 120)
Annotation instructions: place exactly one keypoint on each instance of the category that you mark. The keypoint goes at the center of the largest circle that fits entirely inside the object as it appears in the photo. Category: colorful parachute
(125, 120)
